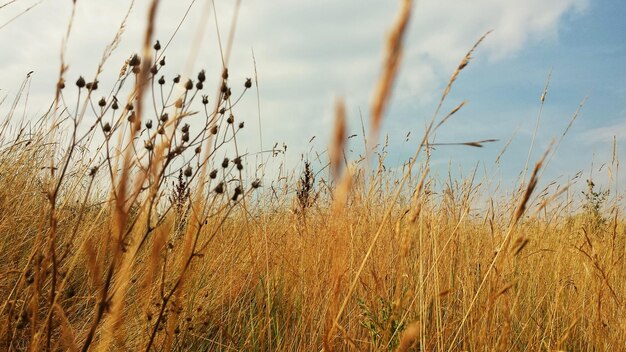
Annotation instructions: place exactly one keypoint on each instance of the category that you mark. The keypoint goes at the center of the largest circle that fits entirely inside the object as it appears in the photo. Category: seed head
(241, 124)
(185, 128)
(61, 83)
(80, 83)
(102, 102)
(213, 174)
(154, 70)
(201, 76)
(164, 117)
(157, 46)
(198, 150)
(256, 184)
(162, 80)
(225, 74)
(205, 99)
(115, 106)
(219, 189)
(214, 130)
(134, 61)
(199, 86)
(162, 62)
(230, 119)
(106, 128)
(129, 107)
(92, 85)
(248, 83)
(188, 171)
(177, 79)
(149, 124)
(225, 163)
(189, 84)
(185, 137)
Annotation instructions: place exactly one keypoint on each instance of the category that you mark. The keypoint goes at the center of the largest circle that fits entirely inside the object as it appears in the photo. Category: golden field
(123, 228)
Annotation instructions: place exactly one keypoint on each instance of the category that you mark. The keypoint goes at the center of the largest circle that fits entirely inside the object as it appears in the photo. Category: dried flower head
(80, 83)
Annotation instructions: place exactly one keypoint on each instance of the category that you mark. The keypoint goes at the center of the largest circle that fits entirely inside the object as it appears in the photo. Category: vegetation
(124, 226)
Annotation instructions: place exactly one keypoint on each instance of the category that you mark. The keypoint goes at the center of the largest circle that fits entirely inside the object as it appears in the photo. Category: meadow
(123, 228)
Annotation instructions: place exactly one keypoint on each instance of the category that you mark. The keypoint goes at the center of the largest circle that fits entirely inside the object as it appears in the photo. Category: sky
(310, 53)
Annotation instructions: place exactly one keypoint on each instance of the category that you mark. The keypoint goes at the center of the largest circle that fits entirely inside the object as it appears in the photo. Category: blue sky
(309, 53)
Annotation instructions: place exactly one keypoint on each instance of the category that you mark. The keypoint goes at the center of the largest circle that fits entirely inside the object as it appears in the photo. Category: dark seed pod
(162, 80)
(92, 85)
(148, 145)
(256, 184)
(131, 117)
(188, 171)
(80, 83)
(230, 119)
(177, 79)
(241, 124)
(106, 128)
(201, 76)
(225, 74)
(237, 160)
(225, 163)
(115, 106)
(161, 130)
(185, 128)
(129, 107)
(185, 137)
(61, 84)
(222, 111)
(162, 62)
(199, 86)
(134, 61)
(93, 170)
(149, 124)
(154, 70)
(205, 99)
(189, 85)
(224, 87)
(214, 130)
(248, 83)
(213, 174)
(165, 117)
(239, 167)
(219, 189)
(136, 70)
(157, 46)
(102, 103)
(198, 150)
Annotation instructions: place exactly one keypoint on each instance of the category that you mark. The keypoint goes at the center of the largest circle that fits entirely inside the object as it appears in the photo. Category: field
(122, 227)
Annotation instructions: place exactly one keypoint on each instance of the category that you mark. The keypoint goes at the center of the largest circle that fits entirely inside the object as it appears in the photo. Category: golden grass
(99, 251)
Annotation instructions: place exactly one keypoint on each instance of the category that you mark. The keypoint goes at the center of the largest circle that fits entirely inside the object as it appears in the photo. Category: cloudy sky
(308, 53)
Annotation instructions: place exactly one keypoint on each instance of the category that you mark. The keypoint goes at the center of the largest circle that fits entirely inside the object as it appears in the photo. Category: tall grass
(123, 228)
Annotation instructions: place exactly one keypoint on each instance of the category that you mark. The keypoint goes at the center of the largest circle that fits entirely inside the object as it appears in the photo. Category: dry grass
(100, 251)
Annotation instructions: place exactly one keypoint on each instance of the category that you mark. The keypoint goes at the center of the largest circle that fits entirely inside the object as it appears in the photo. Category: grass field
(122, 229)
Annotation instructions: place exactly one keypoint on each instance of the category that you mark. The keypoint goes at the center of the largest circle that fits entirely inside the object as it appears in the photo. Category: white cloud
(307, 51)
